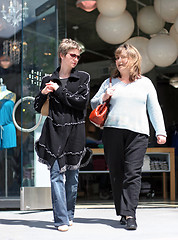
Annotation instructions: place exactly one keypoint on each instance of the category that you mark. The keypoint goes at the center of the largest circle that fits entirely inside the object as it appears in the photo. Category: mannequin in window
(7, 128)
(5, 93)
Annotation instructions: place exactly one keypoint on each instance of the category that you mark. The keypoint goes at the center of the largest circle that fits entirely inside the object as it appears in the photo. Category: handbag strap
(110, 82)
(110, 85)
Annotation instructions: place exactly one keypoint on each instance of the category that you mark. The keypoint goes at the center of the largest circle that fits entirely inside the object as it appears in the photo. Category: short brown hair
(135, 59)
(67, 44)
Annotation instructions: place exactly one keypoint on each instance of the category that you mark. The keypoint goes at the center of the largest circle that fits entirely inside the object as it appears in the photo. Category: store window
(10, 91)
(39, 59)
(28, 51)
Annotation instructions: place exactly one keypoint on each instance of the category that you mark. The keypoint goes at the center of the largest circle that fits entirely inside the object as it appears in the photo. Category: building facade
(30, 32)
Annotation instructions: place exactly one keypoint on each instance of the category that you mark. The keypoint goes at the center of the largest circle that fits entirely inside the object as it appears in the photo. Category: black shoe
(131, 224)
(123, 220)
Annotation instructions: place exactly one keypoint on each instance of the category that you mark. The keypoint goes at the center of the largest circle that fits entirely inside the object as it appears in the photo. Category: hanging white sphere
(148, 21)
(111, 8)
(141, 44)
(174, 34)
(115, 30)
(167, 9)
(176, 24)
(162, 50)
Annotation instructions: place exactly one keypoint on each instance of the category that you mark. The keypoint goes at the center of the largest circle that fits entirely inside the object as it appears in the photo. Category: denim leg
(71, 191)
(58, 196)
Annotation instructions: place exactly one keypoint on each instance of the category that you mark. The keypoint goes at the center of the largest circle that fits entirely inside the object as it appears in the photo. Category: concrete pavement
(91, 223)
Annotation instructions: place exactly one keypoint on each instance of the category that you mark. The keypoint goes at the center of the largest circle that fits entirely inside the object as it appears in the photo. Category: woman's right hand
(47, 89)
(109, 92)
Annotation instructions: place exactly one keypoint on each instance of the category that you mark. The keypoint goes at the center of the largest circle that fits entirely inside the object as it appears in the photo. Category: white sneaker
(63, 228)
(70, 223)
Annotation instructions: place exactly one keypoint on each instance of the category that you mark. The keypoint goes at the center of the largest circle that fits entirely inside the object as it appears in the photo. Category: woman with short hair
(62, 142)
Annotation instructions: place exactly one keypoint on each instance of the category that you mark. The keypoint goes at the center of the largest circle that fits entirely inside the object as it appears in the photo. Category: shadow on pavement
(29, 223)
(108, 222)
(50, 225)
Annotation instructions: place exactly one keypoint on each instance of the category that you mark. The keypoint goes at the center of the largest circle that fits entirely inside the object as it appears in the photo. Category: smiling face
(128, 62)
(71, 59)
(121, 61)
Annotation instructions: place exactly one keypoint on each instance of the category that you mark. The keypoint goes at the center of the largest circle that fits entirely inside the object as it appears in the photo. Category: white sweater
(129, 106)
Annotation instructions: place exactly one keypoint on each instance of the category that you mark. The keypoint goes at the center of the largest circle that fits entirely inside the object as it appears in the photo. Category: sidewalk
(91, 223)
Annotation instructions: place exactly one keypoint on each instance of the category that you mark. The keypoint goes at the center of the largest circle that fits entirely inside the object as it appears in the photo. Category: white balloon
(141, 44)
(115, 30)
(176, 24)
(174, 34)
(167, 9)
(148, 21)
(162, 50)
(111, 8)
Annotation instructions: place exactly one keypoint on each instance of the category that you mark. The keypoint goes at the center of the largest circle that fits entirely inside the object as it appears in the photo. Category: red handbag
(99, 114)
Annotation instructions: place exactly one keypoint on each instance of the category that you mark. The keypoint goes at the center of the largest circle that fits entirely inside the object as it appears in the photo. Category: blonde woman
(126, 130)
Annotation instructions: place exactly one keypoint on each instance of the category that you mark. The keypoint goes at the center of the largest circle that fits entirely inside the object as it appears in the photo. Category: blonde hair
(134, 60)
(67, 44)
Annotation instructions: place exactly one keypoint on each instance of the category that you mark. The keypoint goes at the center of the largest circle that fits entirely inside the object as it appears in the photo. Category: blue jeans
(64, 194)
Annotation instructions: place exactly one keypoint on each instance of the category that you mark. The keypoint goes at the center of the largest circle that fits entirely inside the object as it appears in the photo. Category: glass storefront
(36, 40)
(28, 51)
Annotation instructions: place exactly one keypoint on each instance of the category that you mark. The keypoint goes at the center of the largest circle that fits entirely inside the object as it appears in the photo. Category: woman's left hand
(161, 139)
(109, 92)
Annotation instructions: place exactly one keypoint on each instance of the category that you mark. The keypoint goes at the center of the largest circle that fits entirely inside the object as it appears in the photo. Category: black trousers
(124, 152)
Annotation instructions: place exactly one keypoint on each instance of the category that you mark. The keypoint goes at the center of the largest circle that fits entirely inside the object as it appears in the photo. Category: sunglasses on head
(73, 55)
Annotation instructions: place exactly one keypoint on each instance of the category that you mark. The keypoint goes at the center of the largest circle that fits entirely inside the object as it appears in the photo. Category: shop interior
(99, 29)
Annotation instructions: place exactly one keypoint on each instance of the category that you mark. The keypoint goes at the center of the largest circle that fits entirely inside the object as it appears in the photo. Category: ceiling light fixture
(11, 49)
(14, 13)
(86, 5)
